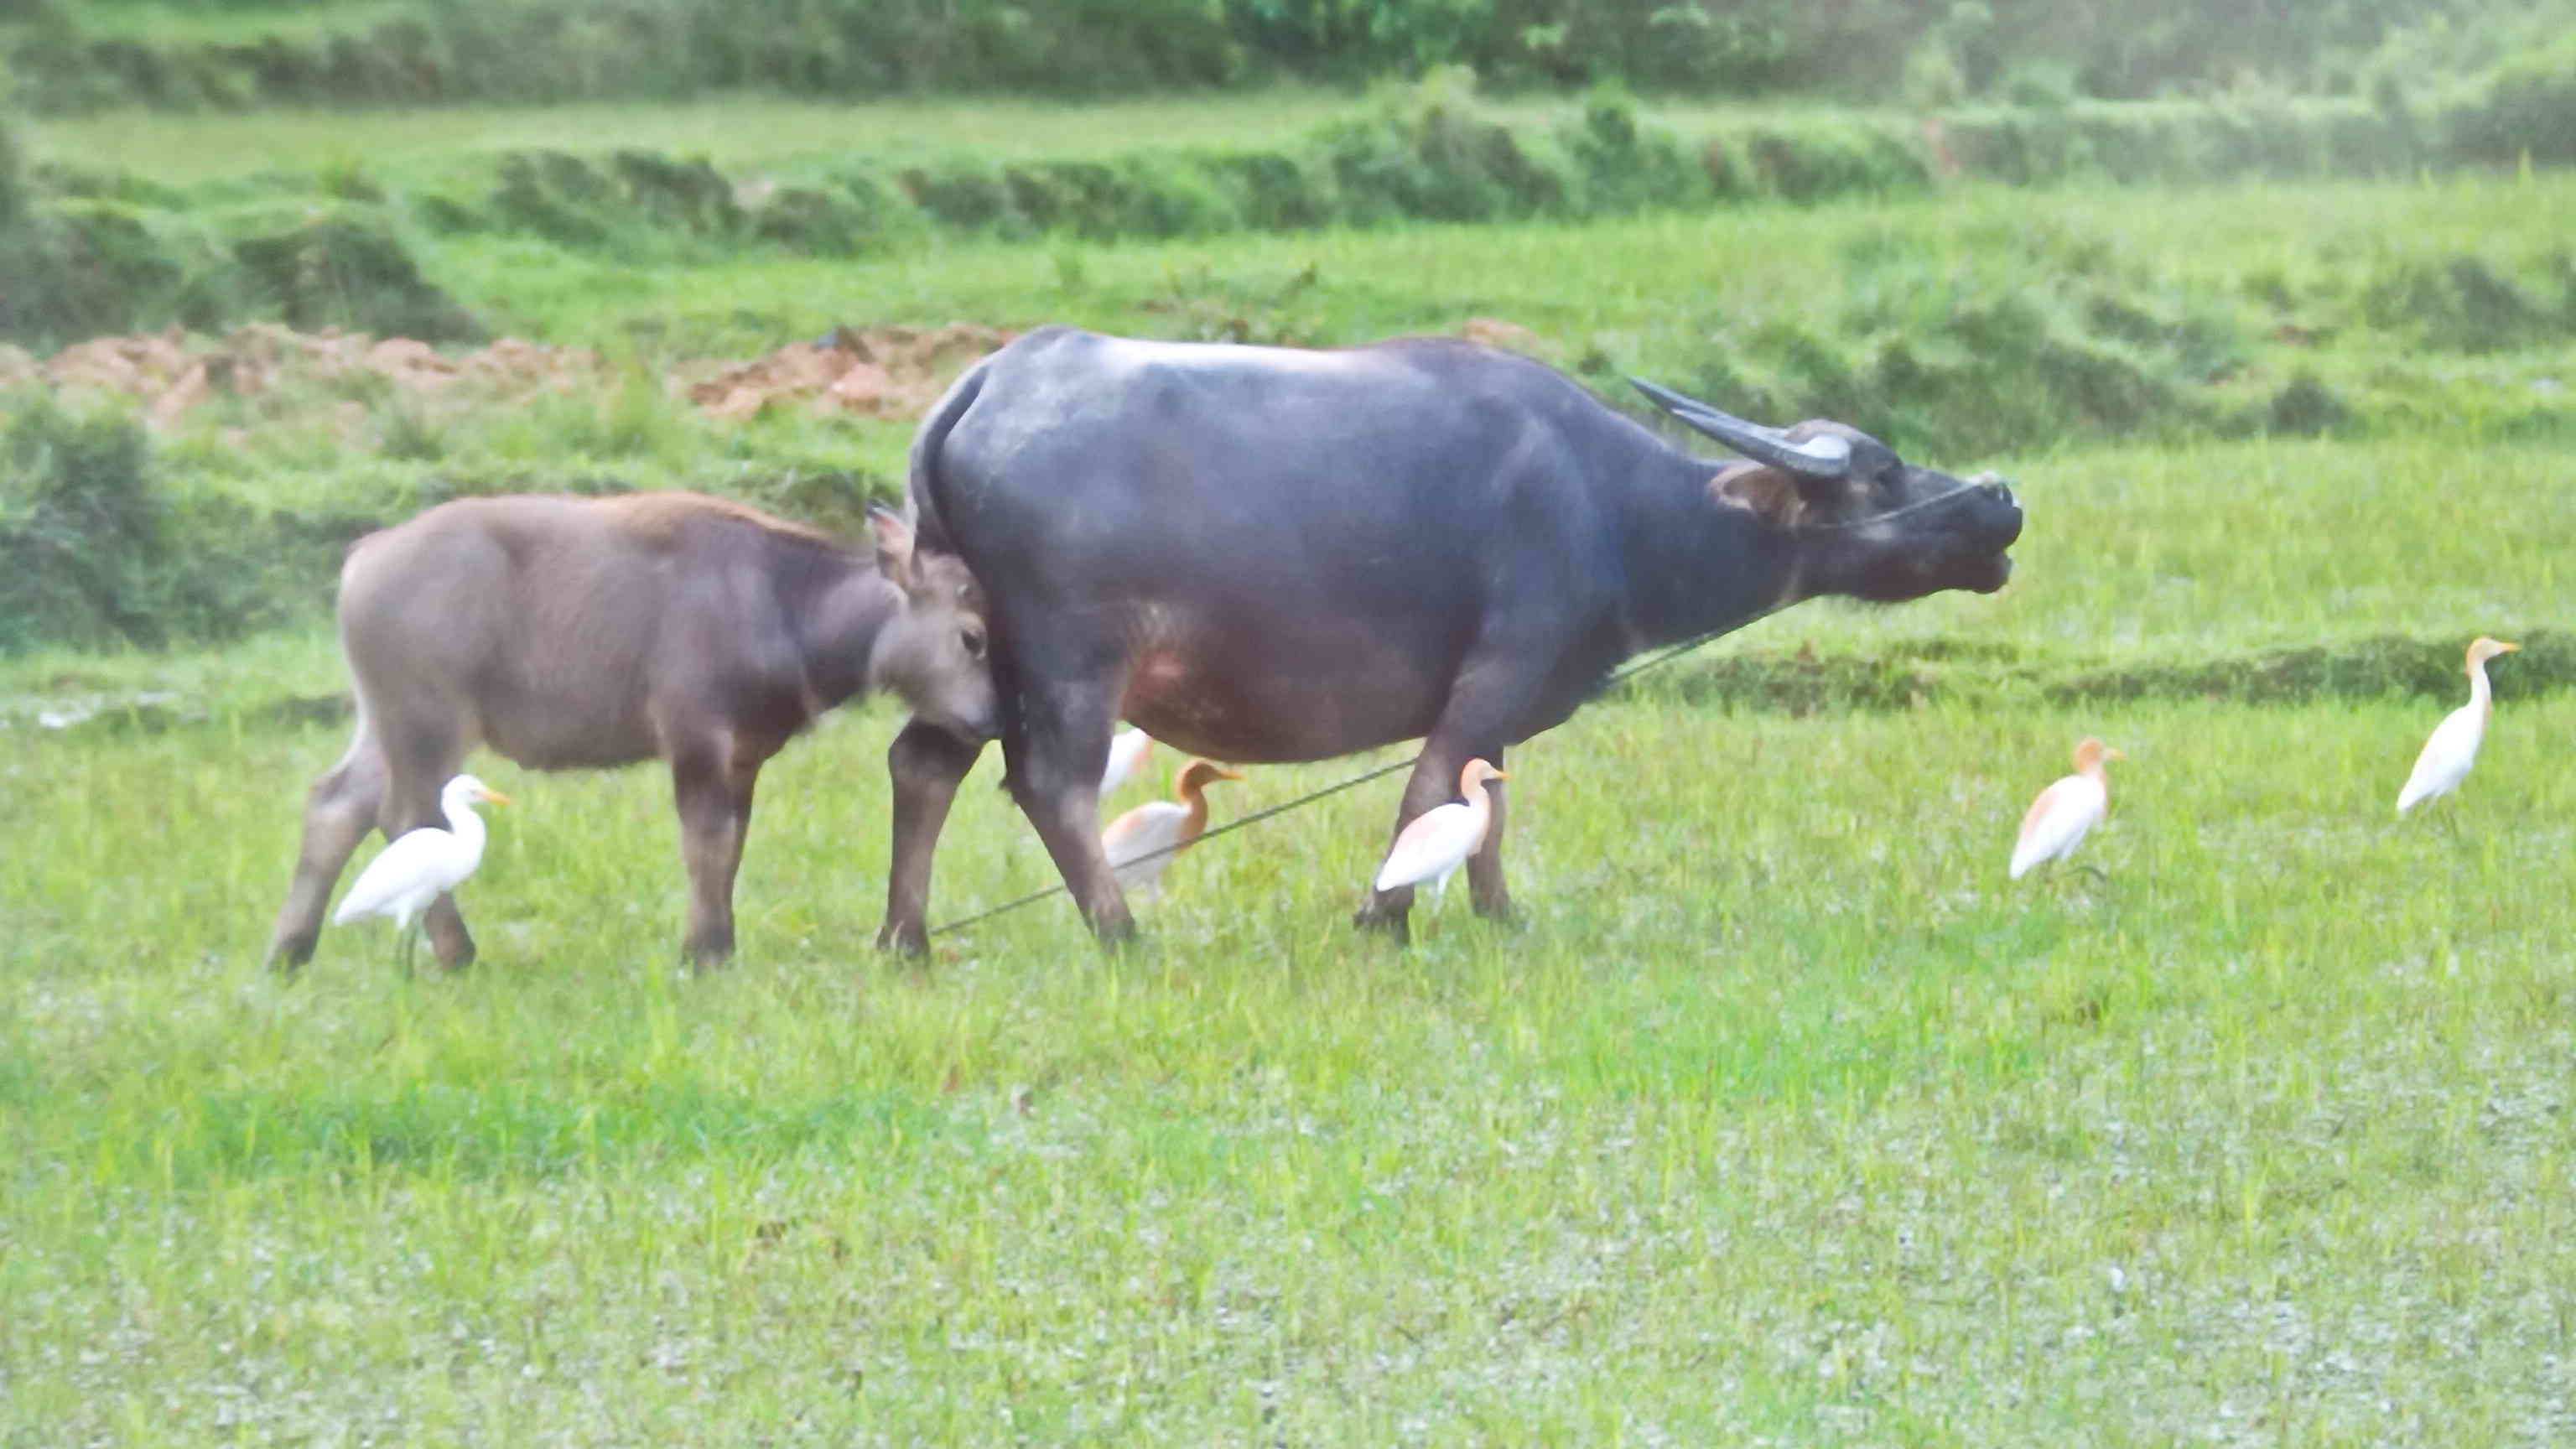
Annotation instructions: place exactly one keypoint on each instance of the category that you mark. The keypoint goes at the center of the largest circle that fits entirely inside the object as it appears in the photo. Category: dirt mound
(884, 372)
(172, 372)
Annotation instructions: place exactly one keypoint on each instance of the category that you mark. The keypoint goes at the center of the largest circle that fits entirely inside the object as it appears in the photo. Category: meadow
(1781, 1118)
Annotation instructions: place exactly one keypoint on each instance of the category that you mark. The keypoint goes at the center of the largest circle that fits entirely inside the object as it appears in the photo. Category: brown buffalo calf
(567, 633)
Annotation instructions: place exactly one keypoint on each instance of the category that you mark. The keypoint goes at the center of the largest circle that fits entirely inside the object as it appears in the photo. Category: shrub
(80, 532)
(86, 267)
(348, 269)
(1622, 167)
(13, 182)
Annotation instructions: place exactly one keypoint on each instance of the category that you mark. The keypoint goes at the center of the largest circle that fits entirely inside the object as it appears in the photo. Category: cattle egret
(1126, 756)
(1440, 839)
(2454, 746)
(422, 865)
(2066, 811)
(1144, 840)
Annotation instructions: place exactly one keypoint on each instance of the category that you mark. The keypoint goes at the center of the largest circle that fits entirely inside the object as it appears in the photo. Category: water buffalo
(571, 632)
(1263, 555)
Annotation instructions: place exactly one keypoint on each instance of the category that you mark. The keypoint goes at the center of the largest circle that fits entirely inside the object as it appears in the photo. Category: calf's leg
(342, 808)
(714, 796)
(925, 766)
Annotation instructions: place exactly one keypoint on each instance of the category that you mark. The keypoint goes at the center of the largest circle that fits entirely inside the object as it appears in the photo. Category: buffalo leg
(411, 801)
(1485, 867)
(342, 808)
(1065, 742)
(1473, 727)
(715, 813)
(1434, 782)
(924, 765)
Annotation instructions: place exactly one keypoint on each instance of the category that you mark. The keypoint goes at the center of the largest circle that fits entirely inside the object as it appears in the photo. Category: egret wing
(1126, 752)
(2445, 759)
(414, 860)
(2057, 822)
(1436, 843)
(1153, 826)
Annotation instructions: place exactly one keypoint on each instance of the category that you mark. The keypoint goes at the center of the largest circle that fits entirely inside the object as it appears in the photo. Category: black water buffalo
(566, 632)
(1263, 555)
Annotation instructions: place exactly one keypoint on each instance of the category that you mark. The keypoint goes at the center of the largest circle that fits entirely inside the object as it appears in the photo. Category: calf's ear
(894, 546)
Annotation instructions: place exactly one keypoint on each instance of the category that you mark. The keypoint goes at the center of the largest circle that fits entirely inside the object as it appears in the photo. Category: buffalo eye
(973, 637)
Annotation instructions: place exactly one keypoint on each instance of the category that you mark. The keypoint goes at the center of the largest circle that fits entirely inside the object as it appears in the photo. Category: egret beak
(496, 797)
(1498, 775)
(1225, 772)
(2504, 648)
(2115, 754)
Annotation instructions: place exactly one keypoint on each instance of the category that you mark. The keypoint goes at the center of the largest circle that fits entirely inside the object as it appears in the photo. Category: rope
(1617, 677)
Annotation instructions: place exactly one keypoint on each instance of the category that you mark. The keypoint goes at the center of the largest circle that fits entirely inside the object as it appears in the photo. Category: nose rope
(1935, 501)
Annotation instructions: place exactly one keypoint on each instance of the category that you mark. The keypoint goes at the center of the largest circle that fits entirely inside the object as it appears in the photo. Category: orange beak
(496, 797)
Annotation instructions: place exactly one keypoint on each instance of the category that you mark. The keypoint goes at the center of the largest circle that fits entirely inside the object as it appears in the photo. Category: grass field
(1783, 1118)
(745, 132)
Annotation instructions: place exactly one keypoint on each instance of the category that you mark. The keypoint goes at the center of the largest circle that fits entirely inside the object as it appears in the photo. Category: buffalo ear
(894, 546)
(1766, 493)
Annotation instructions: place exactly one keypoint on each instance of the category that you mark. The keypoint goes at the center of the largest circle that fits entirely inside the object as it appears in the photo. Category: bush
(96, 553)
(13, 182)
(80, 532)
(2528, 108)
(348, 269)
(87, 267)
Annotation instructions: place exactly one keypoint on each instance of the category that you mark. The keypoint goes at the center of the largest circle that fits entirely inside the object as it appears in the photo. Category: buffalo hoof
(905, 940)
(1395, 926)
(289, 957)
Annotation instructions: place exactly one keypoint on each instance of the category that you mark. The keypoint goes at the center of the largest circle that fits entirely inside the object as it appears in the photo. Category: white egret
(2453, 748)
(2066, 811)
(422, 865)
(1144, 840)
(1439, 840)
(1127, 754)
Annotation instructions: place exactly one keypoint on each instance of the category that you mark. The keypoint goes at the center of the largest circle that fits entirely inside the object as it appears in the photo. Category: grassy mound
(99, 551)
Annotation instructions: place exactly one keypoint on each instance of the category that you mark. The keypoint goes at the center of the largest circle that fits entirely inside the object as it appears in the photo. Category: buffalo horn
(1826, 457)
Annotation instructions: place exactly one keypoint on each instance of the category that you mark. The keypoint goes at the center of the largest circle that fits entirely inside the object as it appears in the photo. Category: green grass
(1784, 1115)
(1784, 1118)
(747, 131)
